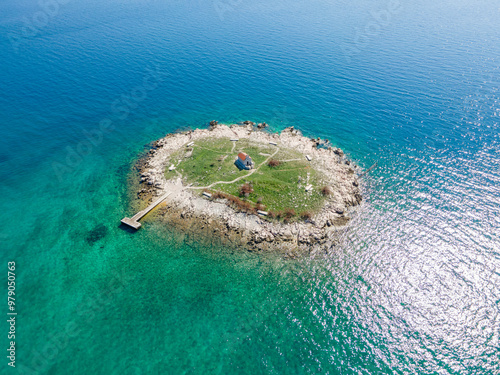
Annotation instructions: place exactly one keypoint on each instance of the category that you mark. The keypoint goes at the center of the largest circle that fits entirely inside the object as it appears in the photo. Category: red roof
(242, 155)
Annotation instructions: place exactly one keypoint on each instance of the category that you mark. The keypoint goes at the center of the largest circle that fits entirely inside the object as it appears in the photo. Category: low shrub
(245, 206)
(273, 163)
(218, 194)
(246, 189)
(326, 191)
(289, 212)
(306, 215)
(279, 214)
(235, 202)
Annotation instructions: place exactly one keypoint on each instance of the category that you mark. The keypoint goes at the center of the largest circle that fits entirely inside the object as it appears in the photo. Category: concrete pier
(134, 221)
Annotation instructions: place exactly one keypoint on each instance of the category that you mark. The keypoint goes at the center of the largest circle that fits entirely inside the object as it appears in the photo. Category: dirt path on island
(239, 178)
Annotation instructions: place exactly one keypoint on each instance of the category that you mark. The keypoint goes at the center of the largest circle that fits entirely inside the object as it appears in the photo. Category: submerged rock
(338, 152)
(98, 233)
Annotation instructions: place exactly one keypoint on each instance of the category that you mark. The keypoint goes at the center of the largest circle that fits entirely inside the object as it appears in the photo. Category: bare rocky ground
(214, 220)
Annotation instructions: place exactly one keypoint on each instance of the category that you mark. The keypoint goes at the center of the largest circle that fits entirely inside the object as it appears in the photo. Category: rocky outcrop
(214, 220)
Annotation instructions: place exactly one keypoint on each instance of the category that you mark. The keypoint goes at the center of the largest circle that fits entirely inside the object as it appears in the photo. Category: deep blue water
(414, 287)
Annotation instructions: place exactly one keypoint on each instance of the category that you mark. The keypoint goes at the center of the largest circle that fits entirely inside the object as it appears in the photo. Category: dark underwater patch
(96, 234)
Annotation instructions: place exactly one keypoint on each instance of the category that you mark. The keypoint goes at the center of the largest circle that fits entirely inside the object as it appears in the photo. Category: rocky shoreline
(212, 220)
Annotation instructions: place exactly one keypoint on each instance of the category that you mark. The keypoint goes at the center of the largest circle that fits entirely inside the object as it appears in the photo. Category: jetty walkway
(134, 221)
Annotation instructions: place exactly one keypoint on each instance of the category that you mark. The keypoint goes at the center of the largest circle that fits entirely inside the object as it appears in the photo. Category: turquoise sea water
(413, 86)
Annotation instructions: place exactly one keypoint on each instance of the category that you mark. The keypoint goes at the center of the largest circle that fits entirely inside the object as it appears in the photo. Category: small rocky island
(244, 186)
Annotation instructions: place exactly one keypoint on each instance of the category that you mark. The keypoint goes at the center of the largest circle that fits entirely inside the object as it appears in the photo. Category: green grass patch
(278, 188)
(281, 187)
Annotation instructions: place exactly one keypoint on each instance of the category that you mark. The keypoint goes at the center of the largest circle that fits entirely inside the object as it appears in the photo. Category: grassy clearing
(206, 162)
(277, 189)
